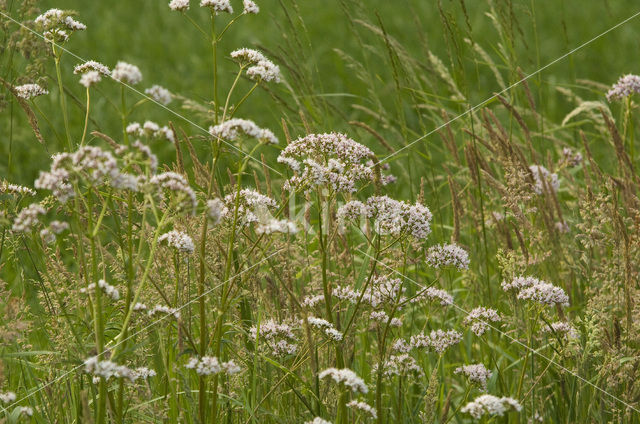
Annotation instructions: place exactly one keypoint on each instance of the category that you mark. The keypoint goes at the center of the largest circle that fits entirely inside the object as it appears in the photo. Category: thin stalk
(246, 96)
(86, 119)
(63, 100)
(123, 100)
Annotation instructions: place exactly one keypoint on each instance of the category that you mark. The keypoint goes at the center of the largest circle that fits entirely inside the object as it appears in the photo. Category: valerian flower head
(480, 318)
(27, 218)
(181, 193)
(402, 365)
(318, 420)
(279, 337)
(210, 365)
(252, 206)
(159, 94)
(259, 68)
(476, 373)
(432, 293)
(250, 7)
(326, 327)
(560, 328)
(151, 130)
(126, 73)
(233, 129)
(218, 6)
(490, 405)
(448, 255)
(90, 78)
(329, 159)
(7, 187)
(58, 20)
(625, 87)
(215, 211)
(180, 241)
(91, 65)
(346, 377)
(530, 288)
(391, 217)
(8, 397)
(179, 5)
(29, 91)
(438, 340)
(364, 407)
(108, 289)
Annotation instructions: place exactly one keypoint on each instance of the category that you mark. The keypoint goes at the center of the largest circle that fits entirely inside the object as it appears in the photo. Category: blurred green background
(172, 53)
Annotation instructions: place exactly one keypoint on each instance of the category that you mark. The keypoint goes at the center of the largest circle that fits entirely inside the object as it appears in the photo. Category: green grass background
(170, 52)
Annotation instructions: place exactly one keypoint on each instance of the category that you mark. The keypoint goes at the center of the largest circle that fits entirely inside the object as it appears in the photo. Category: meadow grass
(202, 273)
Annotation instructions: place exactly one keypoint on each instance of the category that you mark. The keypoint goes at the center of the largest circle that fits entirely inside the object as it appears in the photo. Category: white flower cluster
(232, 129)
(178, 240)
(543, 179)
(448, 255)
(91, 163)
(152, 130)
(91, 65)
(479, 319)
(147, 155)
(139, 307)
(54, 229)
(438, 340)
(107, 288)
(312, 300)
(561, 328)
(279, 337)
(382, 290)
(126, 73)
(60, 20)
(177, 184)
(476, 373)
(546, 294)
(27, 218)
(250, 7)
(273, 225)
(26, 410)
(8, 397)
(179, 5)
(108, 369)
(259, 67)
(347, 377)
(625, 87)
(327, 328)
(217, 6)
(318, 420)
(29, 91)
(159, 94)
(215, 211)
(400, 365)
(251, 206)
(329, 159)
(490, 405)
(364, 407)
(431, 293)
(391, 217)
(210, 365)
(539, 291)
(163, 309)
(6, 187)
(90, 78)
(382, 317)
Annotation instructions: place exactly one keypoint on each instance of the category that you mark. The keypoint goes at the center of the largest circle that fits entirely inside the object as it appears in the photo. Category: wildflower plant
(267, 269)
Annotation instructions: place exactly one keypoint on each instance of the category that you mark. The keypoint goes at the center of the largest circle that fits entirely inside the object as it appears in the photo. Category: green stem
(63, 99)
(86, 119)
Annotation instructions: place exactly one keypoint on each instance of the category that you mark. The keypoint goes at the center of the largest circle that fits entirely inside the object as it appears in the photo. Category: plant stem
(86, 119)
(63, 99)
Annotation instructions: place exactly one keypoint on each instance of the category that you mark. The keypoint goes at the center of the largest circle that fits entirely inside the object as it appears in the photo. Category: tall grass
(210, 268)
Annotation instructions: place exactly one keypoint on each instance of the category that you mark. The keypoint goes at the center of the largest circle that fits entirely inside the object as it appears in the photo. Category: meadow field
(291, 211)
